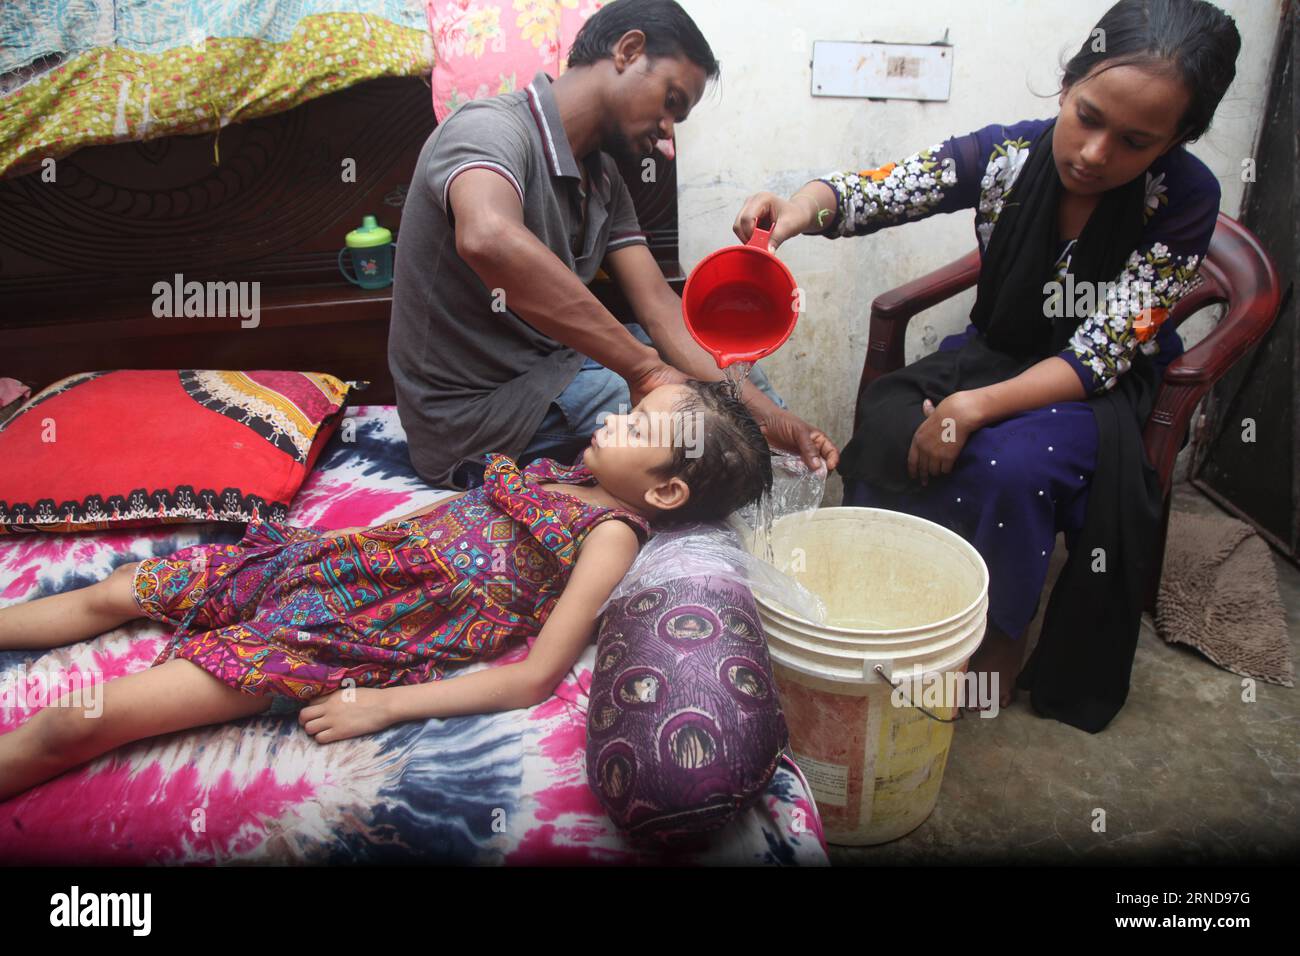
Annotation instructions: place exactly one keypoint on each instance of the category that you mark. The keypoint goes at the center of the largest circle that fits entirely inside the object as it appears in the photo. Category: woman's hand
(789, 217)
(791, 433)
(344, 713)
(942, 436)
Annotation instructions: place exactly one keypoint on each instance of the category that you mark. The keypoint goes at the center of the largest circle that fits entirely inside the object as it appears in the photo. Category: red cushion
(139, 447)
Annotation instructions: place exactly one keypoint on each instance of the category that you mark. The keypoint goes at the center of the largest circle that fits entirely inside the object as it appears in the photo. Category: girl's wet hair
(734, 464)
(1191, 39)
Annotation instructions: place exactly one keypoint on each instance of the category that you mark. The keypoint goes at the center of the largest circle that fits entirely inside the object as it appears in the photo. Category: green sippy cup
(370, 248)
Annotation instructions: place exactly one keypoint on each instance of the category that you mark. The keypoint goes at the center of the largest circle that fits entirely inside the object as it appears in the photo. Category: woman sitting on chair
(1091, 226)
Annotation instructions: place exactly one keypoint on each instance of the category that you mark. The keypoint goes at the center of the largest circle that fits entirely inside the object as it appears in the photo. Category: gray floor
(1187, 773)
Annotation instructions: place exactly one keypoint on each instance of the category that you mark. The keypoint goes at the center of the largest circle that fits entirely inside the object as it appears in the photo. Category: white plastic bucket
(904, 595)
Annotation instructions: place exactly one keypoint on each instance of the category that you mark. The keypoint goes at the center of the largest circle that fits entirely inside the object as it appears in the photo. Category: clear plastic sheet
(719, 549)
(794, 489)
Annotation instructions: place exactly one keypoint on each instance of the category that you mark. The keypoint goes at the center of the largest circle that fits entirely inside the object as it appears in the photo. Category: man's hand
(791, 433)
(654, 377)
(942, 436)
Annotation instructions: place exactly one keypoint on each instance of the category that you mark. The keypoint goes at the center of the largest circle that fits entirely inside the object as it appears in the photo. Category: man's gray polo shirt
(471, 380)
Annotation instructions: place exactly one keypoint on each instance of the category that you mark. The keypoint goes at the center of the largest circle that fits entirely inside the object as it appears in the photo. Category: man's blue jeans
(579, 410)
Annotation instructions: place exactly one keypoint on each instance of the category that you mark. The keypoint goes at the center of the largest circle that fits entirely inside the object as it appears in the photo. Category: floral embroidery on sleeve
(896, 192)
(1155, 196)
(1004, 166)
(1137, 303)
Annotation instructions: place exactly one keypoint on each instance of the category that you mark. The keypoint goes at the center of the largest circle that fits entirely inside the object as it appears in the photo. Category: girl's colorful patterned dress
(294, 612)
(1018, 483)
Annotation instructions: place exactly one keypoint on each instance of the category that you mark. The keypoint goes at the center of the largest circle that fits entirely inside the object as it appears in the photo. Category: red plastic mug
(741, 303)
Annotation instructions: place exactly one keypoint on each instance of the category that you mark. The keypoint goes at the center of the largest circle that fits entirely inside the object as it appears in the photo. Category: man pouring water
(496, 344)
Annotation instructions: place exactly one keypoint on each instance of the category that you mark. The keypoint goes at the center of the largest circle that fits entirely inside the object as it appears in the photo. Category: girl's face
(626, 448)
(1113, 125)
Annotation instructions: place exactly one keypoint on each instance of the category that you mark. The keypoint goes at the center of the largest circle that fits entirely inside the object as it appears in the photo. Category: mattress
(496, 789)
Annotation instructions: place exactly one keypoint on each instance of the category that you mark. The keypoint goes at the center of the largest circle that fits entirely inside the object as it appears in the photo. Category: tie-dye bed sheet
(504, 788)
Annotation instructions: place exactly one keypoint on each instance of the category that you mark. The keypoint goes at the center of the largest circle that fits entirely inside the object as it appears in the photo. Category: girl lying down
(356, 627)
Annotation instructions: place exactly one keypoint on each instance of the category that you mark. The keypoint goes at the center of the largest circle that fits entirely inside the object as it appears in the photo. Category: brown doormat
(1218, 593)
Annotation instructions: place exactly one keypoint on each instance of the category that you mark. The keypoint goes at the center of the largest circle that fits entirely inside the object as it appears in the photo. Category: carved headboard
(83, 244)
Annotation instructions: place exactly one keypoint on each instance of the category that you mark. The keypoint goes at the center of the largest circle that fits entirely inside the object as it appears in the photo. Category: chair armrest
(1192, 374)
(1232, 337)
(900, 304)
(892, 310)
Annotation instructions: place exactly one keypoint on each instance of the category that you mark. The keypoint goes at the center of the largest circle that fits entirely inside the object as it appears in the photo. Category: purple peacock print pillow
(684, 725)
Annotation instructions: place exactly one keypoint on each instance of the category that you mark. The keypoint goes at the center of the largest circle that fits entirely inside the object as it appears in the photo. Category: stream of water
(736, 373)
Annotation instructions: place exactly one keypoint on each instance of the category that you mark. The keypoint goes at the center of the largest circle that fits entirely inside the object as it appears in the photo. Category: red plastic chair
(1236, 271)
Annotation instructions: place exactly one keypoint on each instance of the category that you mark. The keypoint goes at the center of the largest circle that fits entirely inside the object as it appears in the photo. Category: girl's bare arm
(606, 554)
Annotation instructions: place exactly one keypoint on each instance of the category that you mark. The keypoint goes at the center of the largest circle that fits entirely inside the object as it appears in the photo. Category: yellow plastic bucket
(906, 603)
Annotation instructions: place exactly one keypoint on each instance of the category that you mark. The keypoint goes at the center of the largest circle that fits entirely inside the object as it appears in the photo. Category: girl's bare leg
(73, 616)
(170, 697)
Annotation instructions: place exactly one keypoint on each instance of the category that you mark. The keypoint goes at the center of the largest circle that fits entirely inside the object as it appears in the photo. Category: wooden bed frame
(79, 256)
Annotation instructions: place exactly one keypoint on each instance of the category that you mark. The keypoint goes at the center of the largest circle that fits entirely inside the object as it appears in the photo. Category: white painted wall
(758, 128)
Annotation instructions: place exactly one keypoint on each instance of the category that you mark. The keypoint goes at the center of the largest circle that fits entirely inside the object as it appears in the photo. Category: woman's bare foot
(1001, 655)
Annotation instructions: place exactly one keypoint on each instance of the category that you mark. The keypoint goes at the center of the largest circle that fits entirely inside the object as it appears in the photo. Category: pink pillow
(483, 48)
